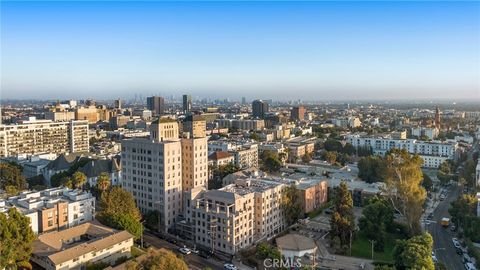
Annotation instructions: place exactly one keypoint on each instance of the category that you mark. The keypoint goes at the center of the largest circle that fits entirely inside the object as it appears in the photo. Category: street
(442, 237)
(194, 261)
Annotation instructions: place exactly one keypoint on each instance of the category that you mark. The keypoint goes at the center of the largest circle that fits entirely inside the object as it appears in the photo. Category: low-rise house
(95, 167)
(73, 248)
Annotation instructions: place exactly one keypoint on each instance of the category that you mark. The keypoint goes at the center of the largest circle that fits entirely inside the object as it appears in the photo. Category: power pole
(373, 244)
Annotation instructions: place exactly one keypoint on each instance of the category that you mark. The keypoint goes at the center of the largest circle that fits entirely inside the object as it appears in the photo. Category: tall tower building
(187, 103)
(118, 104)
(152, 171)
(259, 108)
(437, 118)
(194, 153)
(298, 113)
(156, 105)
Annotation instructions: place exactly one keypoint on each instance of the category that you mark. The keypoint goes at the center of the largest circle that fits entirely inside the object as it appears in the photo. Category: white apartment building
(247, 156)
(222, 145)
(430, 132)
(53, 208)
(433, 153)
(35, 137)
(351, 121)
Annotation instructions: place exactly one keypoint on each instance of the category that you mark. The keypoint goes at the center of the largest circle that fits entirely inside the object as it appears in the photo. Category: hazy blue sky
(283, 50)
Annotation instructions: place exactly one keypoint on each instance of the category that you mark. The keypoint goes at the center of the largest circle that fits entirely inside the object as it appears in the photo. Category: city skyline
(309, 51)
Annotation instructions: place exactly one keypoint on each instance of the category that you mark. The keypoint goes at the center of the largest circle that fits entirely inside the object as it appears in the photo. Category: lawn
(319, 210)
(362, 248)
(135, 251)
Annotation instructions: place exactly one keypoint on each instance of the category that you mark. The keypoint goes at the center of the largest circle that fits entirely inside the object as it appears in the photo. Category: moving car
(229, 266)
(185, 250)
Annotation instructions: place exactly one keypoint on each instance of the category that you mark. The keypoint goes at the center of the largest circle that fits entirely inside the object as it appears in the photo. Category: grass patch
(135, 251)
(362, 248)
(319, 210)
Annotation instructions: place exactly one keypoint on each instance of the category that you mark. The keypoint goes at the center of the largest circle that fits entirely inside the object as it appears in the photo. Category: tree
(103, 181)
(377, 217)
(342, 223)
(403, 186)
(16, 237)
(219, 173)
(124, 221)
(271, 161)
(11, 175)
(79, 179)
(333, 145)
(414, 253)
(291, 204)
(444, 172)
(307, 158)
(372, 169)
(468, 173)
(163, 259)
(463, 212)
(118, 210)
(331, 157)
(118, 200)
(427, 182)
(264, 251)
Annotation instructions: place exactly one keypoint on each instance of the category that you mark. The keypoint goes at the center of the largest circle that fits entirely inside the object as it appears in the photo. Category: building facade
(43, 137)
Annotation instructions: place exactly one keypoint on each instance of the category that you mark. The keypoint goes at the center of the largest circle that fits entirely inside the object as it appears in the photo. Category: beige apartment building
(246, 156)
(36, 137)
(152, 171)
(73, 248)
(223, 220)
(237, 215)
(194, 153)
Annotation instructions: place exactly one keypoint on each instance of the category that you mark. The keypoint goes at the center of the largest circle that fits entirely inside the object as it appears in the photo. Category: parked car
(185, 250)
(434, 257)
(459, 251)
(470, 266)
(229, 266)
(453, 228)
(204, 254)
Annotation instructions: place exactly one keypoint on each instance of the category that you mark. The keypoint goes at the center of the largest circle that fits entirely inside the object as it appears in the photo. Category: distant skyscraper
(259, 108)
(244, 101)
(437, 118)
(156, 105)
(298, 113)
(187, 103)
(118, 104)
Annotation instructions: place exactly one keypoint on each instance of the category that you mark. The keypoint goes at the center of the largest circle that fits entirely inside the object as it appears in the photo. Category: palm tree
(103, 182)
(79, 179)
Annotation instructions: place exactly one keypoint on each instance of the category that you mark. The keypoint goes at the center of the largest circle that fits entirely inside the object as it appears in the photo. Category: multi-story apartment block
(152, 171)
(242, 124)
(52, 209)
(247, 156)
(237, 215)
(433, 153)
(298, 113)
(194, 162)
(60, 115)
(429, 132)
(223, 220)
(35, 137)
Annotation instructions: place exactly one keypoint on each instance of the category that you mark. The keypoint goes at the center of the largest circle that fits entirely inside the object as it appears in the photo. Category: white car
(229, 266)
(185, 250)
(456, 243)
(434, 257)
(470, 266)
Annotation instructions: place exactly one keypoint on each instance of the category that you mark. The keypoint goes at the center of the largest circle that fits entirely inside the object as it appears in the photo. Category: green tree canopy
(103, 181)
(163, 259)
(79, 179)
(372, 169)
(376, 220)
(342, 223)
(11, 175)
(404, 189)
(291, 204)
(331, 157)
(414, 253)
(16, 237)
